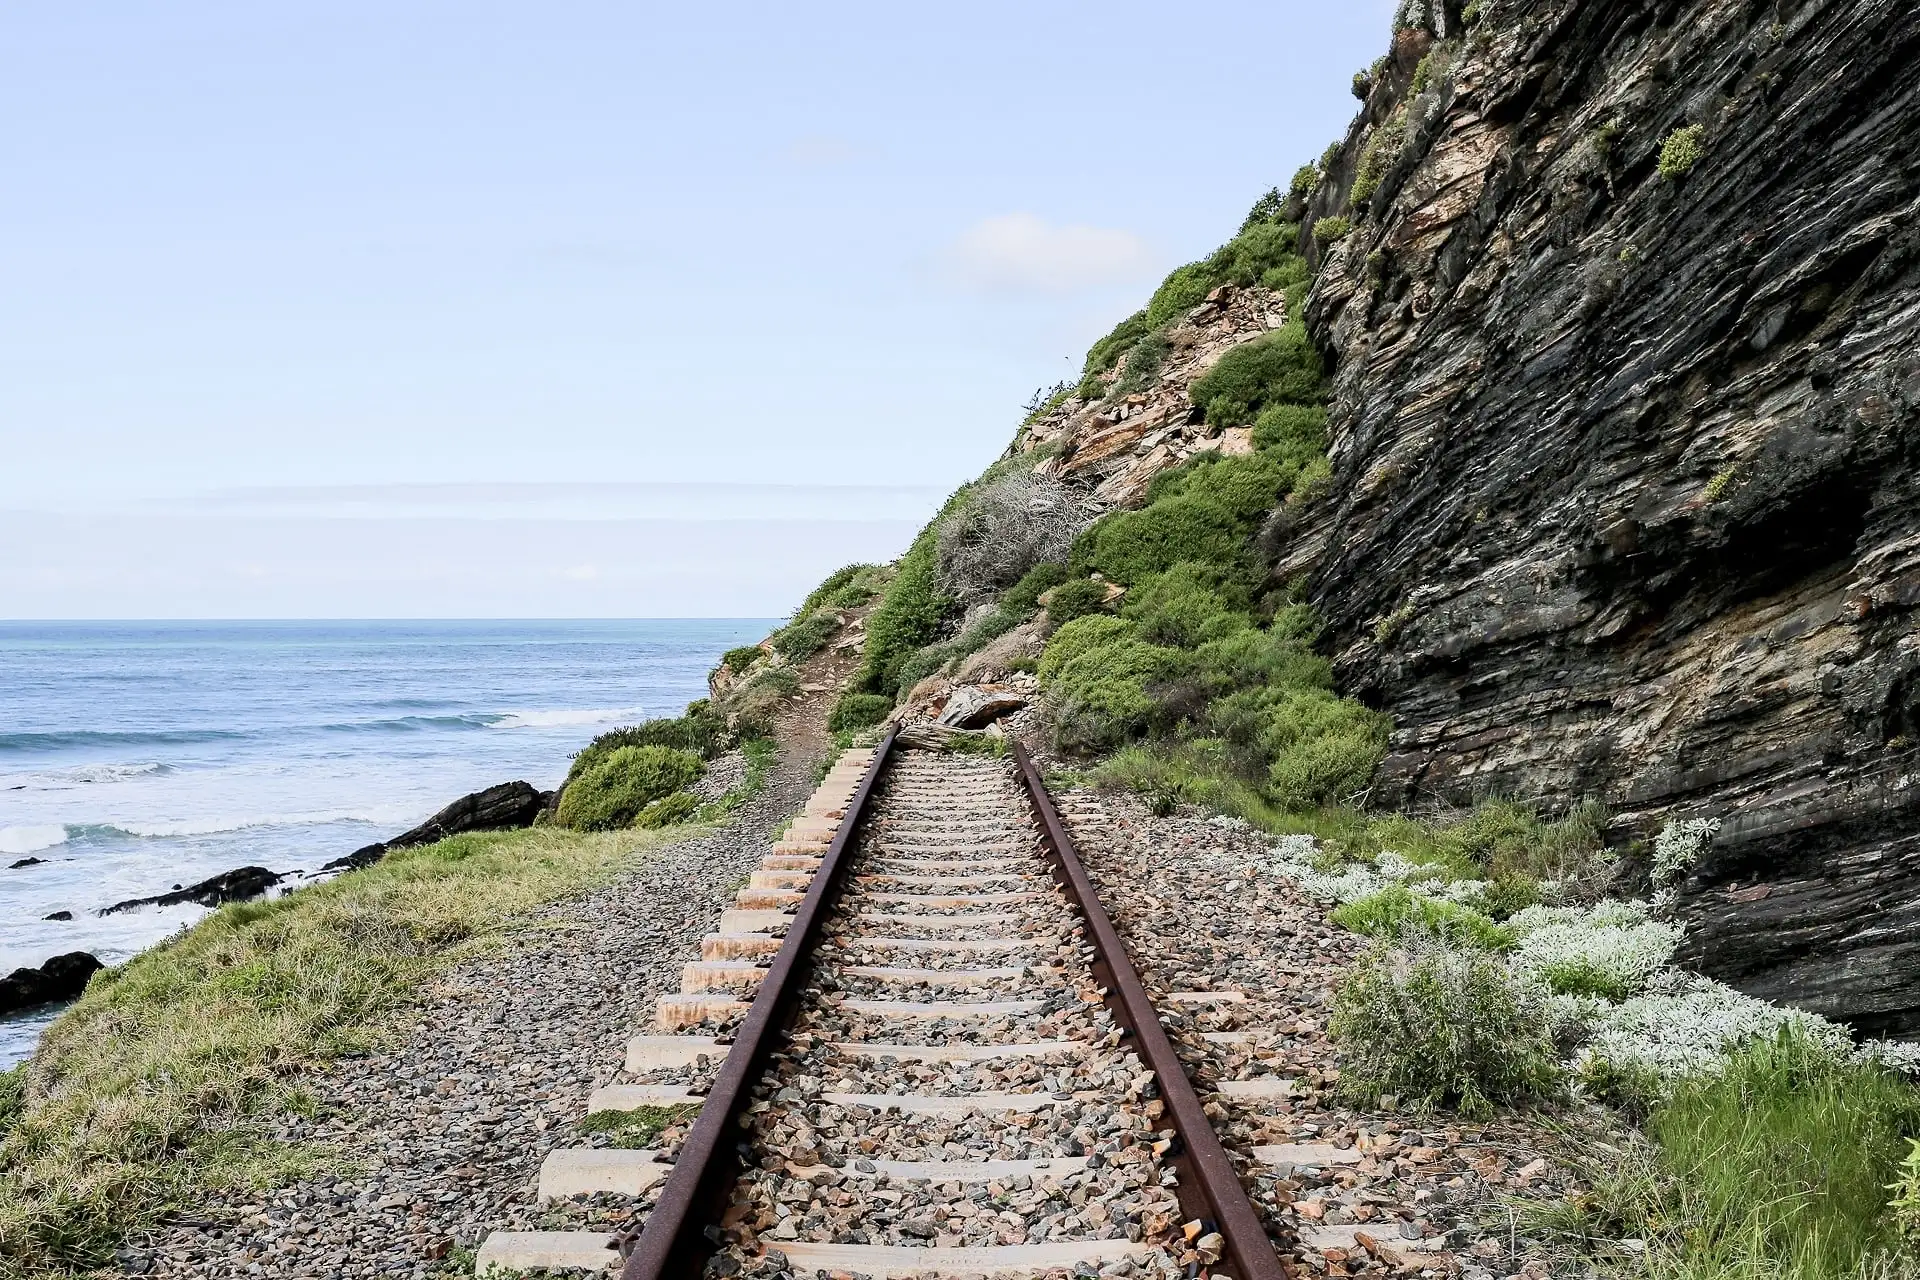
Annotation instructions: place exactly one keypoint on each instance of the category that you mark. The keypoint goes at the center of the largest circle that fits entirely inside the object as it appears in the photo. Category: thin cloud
(1024, 253)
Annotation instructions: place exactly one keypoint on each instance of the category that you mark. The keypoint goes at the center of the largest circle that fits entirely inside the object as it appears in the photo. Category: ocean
(137, 756)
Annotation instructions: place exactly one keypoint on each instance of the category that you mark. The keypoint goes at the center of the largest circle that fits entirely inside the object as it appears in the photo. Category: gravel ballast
(1365, 1192)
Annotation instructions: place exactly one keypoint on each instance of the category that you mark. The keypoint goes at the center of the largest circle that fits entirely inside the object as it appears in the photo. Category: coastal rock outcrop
(1112, 450)
(1625, 301)
(63, 977)
(505, 807)
(229, 886)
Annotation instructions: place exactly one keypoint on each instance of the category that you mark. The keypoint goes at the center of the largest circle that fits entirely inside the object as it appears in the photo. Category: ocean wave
(108, 738)
(414, 724)
(214, 826)
(570, 719)
(17, 840)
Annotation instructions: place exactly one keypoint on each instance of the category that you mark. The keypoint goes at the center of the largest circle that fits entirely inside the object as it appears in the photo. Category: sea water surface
(138, 756)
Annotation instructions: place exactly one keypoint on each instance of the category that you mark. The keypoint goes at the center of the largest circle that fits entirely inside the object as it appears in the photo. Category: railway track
(917, 1049)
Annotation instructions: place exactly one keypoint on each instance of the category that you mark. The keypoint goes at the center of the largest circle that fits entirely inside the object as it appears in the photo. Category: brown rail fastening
(674, 1244)
(1209, 1186)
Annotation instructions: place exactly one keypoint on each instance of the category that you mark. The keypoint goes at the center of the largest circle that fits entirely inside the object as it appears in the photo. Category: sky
(580, 309)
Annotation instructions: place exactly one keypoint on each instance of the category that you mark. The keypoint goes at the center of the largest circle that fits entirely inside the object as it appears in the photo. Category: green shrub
(1105, 695)
(1022, 599)
(1271, 207)
(613, 791)
(848, 587)
(1504, 839)
(1076, 599)
(1185, 606)
(738, 660)
(806, 635)
(667, 810)
(1186, 288)
(857, 710)
(1106, 353)
(1321, 747)
(1332, 230)
(1437, 1025)
(1077, 637)
(1127, 546)
(1306, 181)
(1381, 151)
(1248, 486)
(1296, 433)
(908, 616)
(1144, 361)
(1391, 912)
(1247, 659)
(1280, 367)
(1683, 149)
(701, 730)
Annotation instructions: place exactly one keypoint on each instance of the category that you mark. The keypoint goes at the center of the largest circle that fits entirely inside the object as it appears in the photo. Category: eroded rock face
(1115, 448)
(1625, 499)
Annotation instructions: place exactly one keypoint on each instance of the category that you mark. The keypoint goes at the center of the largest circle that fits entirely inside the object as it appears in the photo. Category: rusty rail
(1209, 1187)
(674, 1243)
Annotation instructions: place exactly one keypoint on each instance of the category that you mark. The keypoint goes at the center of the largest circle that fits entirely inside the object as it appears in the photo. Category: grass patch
(161, 1082)
(639, 1128)
(1395, 910)
(1778, 1168)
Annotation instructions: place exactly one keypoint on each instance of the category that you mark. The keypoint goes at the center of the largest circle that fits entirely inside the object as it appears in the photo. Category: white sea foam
(570, 719)
(31, 839)
(164, 830)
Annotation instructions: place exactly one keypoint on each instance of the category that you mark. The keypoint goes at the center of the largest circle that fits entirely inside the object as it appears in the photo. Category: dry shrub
(1003, 529)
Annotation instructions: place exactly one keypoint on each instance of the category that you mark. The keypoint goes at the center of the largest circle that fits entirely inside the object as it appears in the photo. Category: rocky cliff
(1627, 338)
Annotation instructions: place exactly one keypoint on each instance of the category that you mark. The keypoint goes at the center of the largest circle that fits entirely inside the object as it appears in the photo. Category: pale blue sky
(272, 274)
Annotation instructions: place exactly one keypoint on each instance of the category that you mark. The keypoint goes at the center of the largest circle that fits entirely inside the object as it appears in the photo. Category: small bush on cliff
(1144, 361)
(1437, 1025)
(1279, 368)
(908, 616)
(806, 635)
(1296, 433)
(1106, 353)
(1186, 606)
(857, 710)
(1130, 545)
(848, 587)
(1332, 230)
(614, 790)
(1023, 597)
(1076, 599)
(1683, 149)
(738, 660)
(1381, 151)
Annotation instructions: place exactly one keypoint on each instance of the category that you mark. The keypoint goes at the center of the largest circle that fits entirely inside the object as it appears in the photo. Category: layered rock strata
(1625, 499)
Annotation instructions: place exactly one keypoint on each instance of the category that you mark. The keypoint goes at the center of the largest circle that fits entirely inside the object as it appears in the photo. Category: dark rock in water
(230, 886)
(25, 862)
(61, 978)
(506, 807)
(363, 857)
(58, 915)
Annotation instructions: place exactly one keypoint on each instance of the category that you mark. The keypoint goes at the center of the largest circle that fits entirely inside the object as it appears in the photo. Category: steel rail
(1209, 1187)
(674, 1243)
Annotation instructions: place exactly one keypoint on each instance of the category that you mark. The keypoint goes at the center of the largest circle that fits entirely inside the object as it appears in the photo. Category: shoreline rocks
(508, 806)
(229, 886)
(62, 977)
